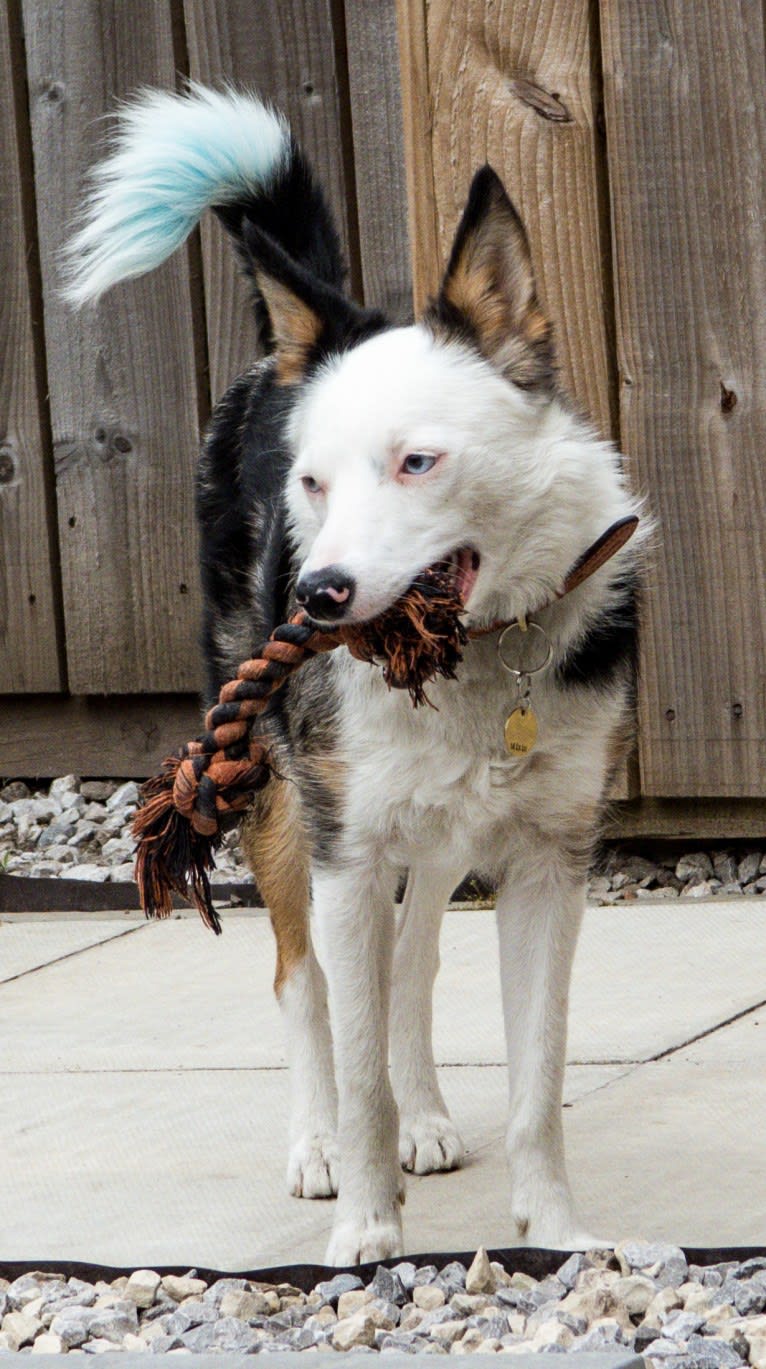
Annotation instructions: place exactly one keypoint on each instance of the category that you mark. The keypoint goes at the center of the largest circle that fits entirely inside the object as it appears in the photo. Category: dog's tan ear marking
(295, 326)
(489, 292)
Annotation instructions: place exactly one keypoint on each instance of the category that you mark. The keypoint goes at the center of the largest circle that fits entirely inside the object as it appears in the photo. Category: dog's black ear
(306, 318)
(488, 294)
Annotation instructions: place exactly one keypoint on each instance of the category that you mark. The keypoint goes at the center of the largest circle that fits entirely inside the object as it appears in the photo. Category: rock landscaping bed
(643, 1297)
(79, 830)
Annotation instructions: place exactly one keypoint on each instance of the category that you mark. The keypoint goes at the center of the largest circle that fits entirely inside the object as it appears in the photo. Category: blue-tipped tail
(172, 157)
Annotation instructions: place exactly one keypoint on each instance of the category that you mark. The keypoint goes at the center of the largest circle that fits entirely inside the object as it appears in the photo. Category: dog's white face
(411, 449)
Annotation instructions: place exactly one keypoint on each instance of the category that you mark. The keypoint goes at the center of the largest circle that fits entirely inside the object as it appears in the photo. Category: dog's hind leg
(428, 1139)
(275, 844)
(539, 910)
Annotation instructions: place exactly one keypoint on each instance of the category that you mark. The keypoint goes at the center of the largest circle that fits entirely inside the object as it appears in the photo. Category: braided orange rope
(206, 788)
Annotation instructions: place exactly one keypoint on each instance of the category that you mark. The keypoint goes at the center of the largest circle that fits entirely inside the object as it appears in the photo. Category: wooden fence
(633, 139)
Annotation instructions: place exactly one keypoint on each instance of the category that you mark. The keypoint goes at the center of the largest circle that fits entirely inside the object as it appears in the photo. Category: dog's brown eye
(418, 463)
(310, 485)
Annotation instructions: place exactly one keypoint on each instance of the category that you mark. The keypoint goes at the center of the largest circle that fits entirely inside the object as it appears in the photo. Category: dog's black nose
(326, 594)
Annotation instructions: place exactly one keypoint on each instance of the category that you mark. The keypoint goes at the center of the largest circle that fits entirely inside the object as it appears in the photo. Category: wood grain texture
(515, 83)
(122, 375)
(128, 736)
(687, 820)
(285, 50)
(419, 167)
(29, 655)
(686, 129)
(381, 192)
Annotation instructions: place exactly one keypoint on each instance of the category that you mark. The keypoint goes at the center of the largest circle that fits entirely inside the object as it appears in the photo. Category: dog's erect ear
(488, 293)
(305, 319)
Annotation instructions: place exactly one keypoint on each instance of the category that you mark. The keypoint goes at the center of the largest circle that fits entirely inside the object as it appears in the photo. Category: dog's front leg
(355, 916)
(428, 1138)
(539, 911)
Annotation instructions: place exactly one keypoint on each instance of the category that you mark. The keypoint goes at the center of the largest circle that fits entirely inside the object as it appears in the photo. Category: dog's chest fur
(410, 784)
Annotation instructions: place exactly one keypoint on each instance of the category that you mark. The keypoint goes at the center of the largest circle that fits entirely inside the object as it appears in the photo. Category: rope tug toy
(206, 788)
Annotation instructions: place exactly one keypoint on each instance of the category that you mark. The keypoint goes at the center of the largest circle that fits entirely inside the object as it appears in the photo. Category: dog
(353, 455)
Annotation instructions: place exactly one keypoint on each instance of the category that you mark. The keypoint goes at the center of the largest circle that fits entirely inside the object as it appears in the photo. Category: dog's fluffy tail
(172, 157)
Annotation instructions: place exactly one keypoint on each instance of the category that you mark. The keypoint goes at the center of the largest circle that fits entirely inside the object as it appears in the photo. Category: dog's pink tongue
(467, 570)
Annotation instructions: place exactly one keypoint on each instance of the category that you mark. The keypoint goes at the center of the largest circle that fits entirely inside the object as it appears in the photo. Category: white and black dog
(351, 457)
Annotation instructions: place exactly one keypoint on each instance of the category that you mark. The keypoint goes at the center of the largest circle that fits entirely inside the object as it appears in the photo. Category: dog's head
(428, 444)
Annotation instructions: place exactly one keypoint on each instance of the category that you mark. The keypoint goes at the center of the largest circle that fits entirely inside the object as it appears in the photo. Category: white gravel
(76, 829)
(642, 1296)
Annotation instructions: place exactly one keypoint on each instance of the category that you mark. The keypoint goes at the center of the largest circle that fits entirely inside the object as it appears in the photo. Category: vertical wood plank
(285, 50)
(29, 655)
(122, 375)
(419, 167)
(515, 83)
(686, 129)
(381, 192)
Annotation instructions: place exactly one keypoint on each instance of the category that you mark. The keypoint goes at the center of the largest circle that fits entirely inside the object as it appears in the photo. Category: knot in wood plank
(548, 104)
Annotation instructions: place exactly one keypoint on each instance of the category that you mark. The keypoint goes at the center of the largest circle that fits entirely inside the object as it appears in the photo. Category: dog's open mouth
(463, 565)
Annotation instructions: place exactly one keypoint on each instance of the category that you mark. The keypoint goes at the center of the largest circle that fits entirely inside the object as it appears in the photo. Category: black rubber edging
(517, 1259)
(35, 894)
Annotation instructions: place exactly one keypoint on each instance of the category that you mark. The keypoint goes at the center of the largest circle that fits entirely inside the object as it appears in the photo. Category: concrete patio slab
(674, 1149)
(144, 1111)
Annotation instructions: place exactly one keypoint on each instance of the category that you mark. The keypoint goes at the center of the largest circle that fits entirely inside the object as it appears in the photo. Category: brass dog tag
(520, 732)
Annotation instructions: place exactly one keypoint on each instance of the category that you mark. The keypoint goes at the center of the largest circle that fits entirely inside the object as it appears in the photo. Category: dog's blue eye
(310, 485)
(417, 463)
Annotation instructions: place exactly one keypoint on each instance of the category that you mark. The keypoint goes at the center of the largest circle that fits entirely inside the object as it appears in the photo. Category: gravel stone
(426, 1274)
(112, 1323)
(710, 1353)
(428, 1297)
(180, 1286)
(331, 1289)
(388, 1284)
(20, 1328)
(142, 1287)
(354, 1331)
(634, 1292)
(241, 1302)
(25, 1289)
(572, 1267)
(666, 1264)
(750, 1296)
(97, 790)
(353, 1300)
(94, 874)
(73, 1324)
(696, 865)
(48, 1344)
(123, 797)
(480, 1278)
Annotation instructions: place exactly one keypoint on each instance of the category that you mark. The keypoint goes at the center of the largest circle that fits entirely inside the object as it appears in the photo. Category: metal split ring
(536, 644)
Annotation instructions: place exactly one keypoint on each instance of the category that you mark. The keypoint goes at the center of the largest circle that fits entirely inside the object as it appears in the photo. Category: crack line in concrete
(69, 955)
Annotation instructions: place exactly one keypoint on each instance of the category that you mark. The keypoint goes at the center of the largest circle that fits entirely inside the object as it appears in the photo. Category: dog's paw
(370, 1237)
(312, 1166)
(428, 1142)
